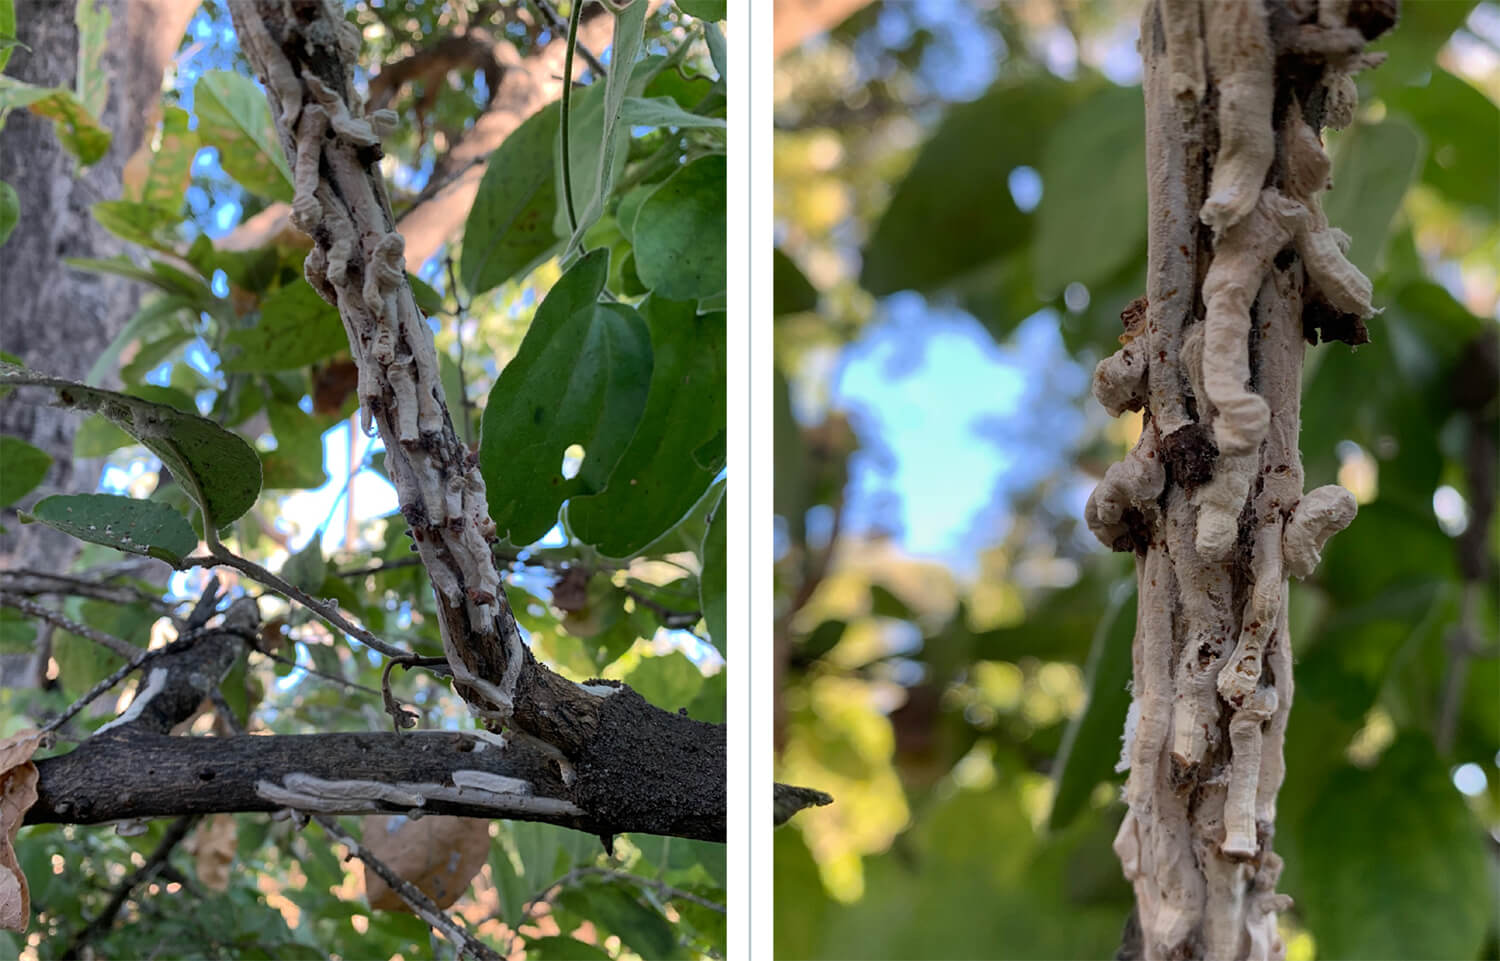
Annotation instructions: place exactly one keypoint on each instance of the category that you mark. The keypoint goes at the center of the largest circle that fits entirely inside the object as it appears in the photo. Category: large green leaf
(1412, 47)
(657, 479)
(297, 461)
(8, 40)
(22, 467)
(82, 663)
(1091, 745)
(220, 470)
(953, 211)
(1461, 125)
(663, 112)
(297, 327)
(1395, 862)
(234, 117)
(172, 162)
(1372, 167)
(713, 595)
(581, 376)
(670, 681)
(92, 19)
(124, 523)
(1092, 216)
(510, 225)
(680, 249)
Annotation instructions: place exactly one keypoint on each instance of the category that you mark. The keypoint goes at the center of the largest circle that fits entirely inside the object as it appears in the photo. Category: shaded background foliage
(960, 218)
(229, 329)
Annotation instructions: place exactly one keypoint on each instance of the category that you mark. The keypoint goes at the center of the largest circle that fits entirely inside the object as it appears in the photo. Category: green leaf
(427, 299)
(704, 9)
(1414, 43)
(663, 112)
(510, 225)
(81, 662)
(657, 480)
(23, 468)
(1459, 123)
(670, 681)
(1092, 216)
(10, 210)
(679, 233)
(581, 376)
(597, 145)
(614, 909)
(150, 319)
(138, 223)
(1395, 863)
(220, 470)
(791, 291)
(77, 130)
(1091, 745)
(712, 583)
(172, 164)
(233, 116)
(307, 568)
(559, 948)
(124, 523)
(1372, 167)
(297, 327)
(17, 632)
(297, 461)
(92, 20)
(7, 35)
(953, 211)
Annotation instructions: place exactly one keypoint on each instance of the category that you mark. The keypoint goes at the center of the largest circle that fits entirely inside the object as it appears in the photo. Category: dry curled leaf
(213, 846)
(18, 779)
(438, 854)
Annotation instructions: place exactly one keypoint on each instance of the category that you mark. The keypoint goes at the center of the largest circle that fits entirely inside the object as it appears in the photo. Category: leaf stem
(567, 97)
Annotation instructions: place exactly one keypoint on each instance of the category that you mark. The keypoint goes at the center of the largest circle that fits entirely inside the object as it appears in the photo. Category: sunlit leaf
(234, 117)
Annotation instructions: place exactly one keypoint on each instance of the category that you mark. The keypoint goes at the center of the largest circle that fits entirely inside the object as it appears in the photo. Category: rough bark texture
(133, 769)
(1242, 265)
(305, 51)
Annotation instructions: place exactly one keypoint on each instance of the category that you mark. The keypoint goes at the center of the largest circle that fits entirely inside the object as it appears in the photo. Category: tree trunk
(58, 319)
(1241, 266)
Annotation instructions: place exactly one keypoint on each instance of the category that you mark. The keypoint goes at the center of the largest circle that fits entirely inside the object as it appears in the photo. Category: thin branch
(58, 619)
(458, 334)
(326, 613)
(420, 904)
(342, 682)
(98, 690)
(154, 864)
(33, 583)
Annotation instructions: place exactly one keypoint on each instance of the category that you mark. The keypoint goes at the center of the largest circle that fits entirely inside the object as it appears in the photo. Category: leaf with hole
(124, 523)
(581, 376)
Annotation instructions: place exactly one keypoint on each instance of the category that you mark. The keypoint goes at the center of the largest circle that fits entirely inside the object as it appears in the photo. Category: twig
(32, 583)
(58, 619)
(419, 902)
(329, 615)
(458, 334)
(134, 879)
(671, 619)
(343, 682)
(555, 21)
(98, 690)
